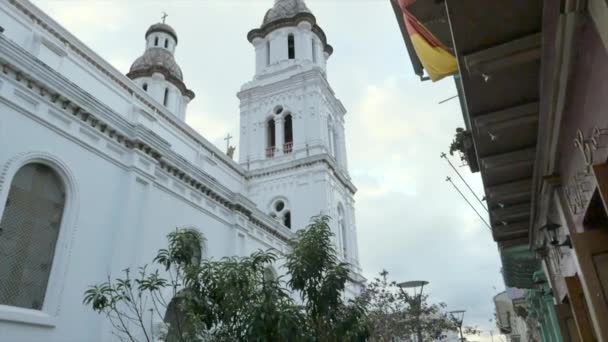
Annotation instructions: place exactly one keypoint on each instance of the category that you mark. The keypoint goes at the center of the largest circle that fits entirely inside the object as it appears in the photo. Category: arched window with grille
(29, 229)
(179, 326)
(342, 230)
(288, 129)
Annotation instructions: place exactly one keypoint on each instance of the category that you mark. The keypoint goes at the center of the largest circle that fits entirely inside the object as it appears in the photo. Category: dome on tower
(162, 27)
(285, 9)
(157, 58)
(287, 13)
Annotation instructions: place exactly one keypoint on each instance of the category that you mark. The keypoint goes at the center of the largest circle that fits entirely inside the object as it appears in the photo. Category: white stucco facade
(133, 170)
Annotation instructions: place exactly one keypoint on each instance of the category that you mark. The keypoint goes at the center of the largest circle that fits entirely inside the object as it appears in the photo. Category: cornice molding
(289, 166)
(255, 90)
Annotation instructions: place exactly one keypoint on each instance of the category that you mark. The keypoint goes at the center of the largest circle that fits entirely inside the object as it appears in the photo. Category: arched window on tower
(145, 86)
(342, 230)
(267, 52)
(288, 126)
(287, 219)
(335, 146)
(271, 139)
(29, 229)
(166, 43)
(291, 46)
(166, 97)
(156, 41)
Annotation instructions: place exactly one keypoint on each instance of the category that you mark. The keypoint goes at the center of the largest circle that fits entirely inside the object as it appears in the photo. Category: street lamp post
(458, 318)
(415, 285)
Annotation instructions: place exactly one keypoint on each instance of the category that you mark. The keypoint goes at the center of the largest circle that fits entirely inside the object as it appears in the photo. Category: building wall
(583, 113)
(123, 215)
(507, 319)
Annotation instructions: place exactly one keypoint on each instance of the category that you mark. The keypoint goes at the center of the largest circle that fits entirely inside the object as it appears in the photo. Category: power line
(445, 156)
(448, 179)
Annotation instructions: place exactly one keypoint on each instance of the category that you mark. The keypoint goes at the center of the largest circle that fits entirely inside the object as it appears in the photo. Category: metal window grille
(28, 234)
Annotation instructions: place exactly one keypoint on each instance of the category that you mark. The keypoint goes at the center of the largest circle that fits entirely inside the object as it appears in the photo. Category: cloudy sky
(410, 221)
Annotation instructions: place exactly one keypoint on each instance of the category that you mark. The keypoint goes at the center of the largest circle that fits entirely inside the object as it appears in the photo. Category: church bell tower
(157, 72)
(292, 137)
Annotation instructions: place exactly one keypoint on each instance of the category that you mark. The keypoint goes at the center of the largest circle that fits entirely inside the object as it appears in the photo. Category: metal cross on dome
(164, 16)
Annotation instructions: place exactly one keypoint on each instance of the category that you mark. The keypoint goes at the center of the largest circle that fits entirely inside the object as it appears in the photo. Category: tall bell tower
(292, 137)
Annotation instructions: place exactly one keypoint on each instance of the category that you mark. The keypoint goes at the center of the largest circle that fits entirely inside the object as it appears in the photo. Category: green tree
(394, 314)
(234, 299)
(320, 279)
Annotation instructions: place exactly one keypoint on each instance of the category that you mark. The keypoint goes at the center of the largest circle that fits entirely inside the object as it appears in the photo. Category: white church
(96, 167)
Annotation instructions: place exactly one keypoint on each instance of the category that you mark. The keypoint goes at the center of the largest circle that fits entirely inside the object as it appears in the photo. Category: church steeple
(292, 138)
(157, 72)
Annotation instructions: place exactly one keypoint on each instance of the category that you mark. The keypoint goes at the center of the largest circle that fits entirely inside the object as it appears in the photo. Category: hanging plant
(463, 145)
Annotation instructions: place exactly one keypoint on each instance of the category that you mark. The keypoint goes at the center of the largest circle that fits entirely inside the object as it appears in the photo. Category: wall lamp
(552, 232)
(539, 285)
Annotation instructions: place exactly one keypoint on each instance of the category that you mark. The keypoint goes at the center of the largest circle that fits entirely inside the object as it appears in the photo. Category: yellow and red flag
(435, 57)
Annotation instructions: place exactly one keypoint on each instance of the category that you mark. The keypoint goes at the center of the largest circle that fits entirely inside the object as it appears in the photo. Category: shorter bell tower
(157, 72)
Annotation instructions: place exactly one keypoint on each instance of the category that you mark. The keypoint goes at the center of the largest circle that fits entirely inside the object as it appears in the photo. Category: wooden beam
(591, 248)
(513, 243)
(511, 159)
(515, 52)
(580, 311)
(508, 118)
(511, 213)
(509, 191)
(512, 231)
(598, 9)
(567, 325)
(601, 177)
